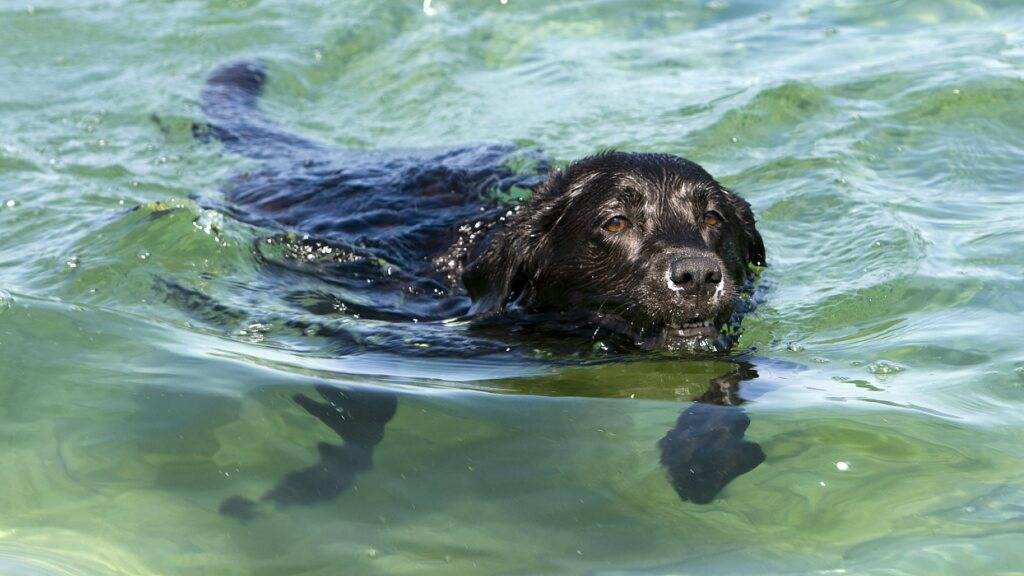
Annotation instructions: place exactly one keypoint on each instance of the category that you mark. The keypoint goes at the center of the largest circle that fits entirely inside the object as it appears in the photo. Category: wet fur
(431, 215)
(421, 234)
(553, 256)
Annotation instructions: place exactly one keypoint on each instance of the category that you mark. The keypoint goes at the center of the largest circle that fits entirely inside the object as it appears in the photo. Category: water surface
(881, 144)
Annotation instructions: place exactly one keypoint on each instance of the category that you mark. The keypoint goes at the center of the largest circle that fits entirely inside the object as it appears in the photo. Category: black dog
(647, 246)
(644, 249)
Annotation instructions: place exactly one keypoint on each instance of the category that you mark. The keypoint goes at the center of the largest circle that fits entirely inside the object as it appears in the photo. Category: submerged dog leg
(359, 418)
(705, 450)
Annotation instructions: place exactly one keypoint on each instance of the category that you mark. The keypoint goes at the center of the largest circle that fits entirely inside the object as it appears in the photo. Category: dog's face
(648, 245)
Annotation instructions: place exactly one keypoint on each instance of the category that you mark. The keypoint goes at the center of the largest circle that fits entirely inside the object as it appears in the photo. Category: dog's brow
(693, 191)
(630, 189)
(582, 182)
(630, 195)
(630, 180)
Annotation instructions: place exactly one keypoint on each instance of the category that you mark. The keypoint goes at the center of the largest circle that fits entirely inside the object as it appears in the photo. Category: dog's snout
(690, 275)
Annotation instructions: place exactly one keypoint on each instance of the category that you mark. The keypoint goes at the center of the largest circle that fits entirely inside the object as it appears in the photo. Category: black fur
(419, 237)
(432, 218)
(554, 255)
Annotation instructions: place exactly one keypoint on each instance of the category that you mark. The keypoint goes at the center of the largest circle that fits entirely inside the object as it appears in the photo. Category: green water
(881, 144)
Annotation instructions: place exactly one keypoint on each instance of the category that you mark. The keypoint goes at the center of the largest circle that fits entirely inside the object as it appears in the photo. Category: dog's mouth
(693, 329)
(693, 336)
(692, 333)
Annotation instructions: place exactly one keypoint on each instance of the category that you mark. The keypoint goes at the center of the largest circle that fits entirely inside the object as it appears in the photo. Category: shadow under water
(702, 453)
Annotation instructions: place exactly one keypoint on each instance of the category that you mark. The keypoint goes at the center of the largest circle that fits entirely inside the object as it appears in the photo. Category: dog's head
(649, 245)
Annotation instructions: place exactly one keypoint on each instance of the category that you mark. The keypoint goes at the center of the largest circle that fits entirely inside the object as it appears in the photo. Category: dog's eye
(712, 218)
(617, 224)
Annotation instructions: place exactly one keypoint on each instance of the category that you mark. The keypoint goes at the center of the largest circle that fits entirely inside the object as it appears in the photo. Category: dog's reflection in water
(706, 448)
(359, 418)
(702, 453)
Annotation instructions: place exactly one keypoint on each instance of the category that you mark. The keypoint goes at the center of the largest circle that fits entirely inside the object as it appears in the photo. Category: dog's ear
(498, 276)
(748, 226)
(513, 260)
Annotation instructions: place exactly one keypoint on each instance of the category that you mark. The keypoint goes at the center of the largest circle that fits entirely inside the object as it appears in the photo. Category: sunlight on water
(880, 143)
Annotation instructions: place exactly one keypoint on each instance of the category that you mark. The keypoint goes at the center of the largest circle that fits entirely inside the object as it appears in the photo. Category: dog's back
(403, 207)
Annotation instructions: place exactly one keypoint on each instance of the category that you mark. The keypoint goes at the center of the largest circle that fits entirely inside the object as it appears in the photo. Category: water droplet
(6, 301)
(885, 368)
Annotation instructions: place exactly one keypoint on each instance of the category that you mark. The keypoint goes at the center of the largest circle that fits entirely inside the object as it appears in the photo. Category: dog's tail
(230, 101)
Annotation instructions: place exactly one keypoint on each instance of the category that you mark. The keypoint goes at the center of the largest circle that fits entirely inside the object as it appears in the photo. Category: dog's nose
(690, 275)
